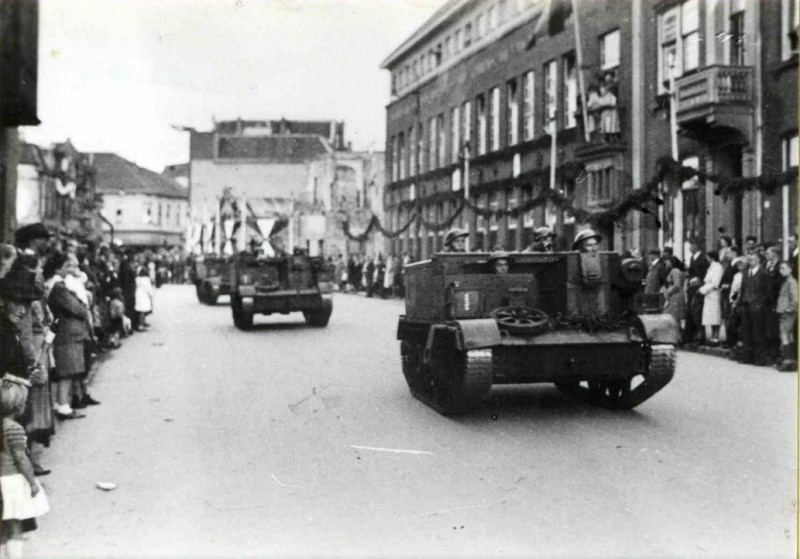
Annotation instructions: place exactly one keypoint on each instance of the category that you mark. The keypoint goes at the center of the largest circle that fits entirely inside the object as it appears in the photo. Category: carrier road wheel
(627, 392)
(521, 320)
(242, 318)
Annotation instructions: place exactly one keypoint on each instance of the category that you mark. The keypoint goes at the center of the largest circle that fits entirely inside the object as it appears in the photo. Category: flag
(552, 20)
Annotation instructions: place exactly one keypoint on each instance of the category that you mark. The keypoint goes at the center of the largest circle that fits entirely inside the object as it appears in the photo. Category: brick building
(471, 74)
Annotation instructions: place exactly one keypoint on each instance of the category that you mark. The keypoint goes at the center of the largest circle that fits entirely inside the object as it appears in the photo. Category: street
(292, 441)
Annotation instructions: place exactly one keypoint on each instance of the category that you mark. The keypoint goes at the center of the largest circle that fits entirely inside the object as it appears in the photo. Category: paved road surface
(232, 444)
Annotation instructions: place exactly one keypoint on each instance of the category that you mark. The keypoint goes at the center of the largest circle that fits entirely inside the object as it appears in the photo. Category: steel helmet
(543, 233)
(453, 234)
(584, 235)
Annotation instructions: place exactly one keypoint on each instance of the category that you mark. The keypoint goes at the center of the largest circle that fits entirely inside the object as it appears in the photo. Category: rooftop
(115, 174)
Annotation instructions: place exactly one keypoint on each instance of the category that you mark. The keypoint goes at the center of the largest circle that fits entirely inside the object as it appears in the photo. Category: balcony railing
(715, 85)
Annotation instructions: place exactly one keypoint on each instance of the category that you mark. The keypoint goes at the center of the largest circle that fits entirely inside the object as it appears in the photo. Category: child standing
(23, 497)
(786, 309)
(144, 296)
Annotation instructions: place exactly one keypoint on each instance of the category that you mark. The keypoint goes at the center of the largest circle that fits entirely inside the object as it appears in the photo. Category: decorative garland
(670, 173)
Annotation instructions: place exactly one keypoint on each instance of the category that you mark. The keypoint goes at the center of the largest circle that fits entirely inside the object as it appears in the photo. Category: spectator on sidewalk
(733, 323)
(656, 272)
(23, 497)
(389, 276)
(753, 300)
(712, 310)
(674, 298)
(786, 308)
(71, 328)
(144, 297)
(773, 259)
(697, 268)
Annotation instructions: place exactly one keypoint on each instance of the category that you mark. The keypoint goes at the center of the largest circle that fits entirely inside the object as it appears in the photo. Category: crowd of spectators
(743, 297)
(376, 276)
(62, 304)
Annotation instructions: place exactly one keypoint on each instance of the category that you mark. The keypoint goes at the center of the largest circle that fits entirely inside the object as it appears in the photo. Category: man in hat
(33, 238)
(456, 240)
(587, 241)
(543, 239)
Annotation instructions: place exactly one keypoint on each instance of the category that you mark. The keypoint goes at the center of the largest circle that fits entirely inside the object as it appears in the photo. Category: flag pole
(579, 62)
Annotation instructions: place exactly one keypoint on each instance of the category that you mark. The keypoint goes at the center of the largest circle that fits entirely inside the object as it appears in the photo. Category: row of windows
(456, 40)
(165, 214)
(442, 139)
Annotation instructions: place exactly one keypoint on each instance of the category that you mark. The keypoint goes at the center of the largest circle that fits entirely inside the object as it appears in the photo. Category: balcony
(717, 99)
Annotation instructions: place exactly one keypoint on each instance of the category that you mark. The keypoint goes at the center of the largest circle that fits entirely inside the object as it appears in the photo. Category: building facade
(306, 163)
(56, 186)
(140, 208)
(477, 89)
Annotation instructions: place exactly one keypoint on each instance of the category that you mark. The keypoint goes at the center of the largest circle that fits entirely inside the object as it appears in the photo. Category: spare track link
(618, 394)
(454, 383)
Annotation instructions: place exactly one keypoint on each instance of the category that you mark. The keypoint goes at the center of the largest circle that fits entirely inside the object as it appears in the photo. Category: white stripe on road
(397, 450)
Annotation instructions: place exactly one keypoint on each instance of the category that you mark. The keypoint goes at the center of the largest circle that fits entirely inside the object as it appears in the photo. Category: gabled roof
(115, 174)
(299, 148)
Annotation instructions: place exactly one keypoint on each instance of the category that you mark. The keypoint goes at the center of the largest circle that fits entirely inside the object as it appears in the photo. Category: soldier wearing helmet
(587, 241)
(455, 240)
(543, 238)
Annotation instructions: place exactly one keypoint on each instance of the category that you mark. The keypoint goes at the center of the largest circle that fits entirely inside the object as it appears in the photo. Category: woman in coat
(71, 328)
(675, 299)
(712, 303)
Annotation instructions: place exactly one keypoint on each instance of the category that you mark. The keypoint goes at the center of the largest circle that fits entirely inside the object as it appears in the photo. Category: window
(690, 30)
(494, 119)
(679, 40)
(467, 35)
(550, 94)
(457, 41)
(466, 116)
(491, 15)
(528, 81)
(789, 24)
(455, 134)
(570, 91)
(502, 10)
(789, 193)
(790, 152)
(412, 151)
(512, 113)
(480, 27)
(420, 155)
(432, 135)
(168, 212)
(737, 35)
(393, 152)
(441, 144)
(601, 184)
(402, 156)
(437, 55)
(609, 50)
(448, 48)
(480, 107)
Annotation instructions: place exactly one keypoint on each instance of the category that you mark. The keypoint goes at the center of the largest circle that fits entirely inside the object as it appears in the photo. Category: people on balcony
(609, 115)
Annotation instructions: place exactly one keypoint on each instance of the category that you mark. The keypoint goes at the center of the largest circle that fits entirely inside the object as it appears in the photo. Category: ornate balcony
(716, 99)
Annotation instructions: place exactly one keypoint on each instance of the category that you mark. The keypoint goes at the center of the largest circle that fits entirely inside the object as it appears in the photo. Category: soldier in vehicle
(500, 262)
(587, 241)
(543, 239)
(455, 240)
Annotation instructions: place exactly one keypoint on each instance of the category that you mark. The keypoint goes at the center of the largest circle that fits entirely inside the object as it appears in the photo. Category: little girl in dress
(23, 497)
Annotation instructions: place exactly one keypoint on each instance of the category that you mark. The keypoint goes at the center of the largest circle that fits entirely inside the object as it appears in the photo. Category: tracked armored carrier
(212, 278)
(280, 284)
(576, 320)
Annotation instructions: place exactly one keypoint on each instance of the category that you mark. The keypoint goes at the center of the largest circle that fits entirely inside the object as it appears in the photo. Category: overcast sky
(114, 74)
